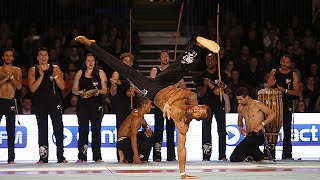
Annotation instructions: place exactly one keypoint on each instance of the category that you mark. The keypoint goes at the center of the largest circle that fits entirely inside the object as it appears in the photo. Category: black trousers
(144, 144)
(7, 108)
(158, 136)
(287, 119)
(171, 75)
(50, 107)
(220, 116)
(93, 112)
(249, 146)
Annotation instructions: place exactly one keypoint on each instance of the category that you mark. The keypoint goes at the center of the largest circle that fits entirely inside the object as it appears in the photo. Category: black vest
(88, 84)
(285, 81)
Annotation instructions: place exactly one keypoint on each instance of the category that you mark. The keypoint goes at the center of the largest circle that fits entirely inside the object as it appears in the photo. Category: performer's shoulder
(135, 112)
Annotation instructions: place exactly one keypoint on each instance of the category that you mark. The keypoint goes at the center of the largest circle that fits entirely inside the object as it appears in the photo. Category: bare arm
(295, 91)
(103, 77)
(17, 79)
(134, 142)
(113, 80)
(33, 82)
(271, 81)
(75, 86)
(181, 94)
(58, 77)
(182, 84)
(270, 115)
(240, 121)
(153, 73)
(148, 131)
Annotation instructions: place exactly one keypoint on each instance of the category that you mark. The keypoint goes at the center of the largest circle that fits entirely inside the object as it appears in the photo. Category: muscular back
(252, 115)
(131, 124)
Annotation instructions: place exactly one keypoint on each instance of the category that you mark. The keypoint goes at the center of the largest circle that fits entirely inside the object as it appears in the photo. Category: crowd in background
(248, 54)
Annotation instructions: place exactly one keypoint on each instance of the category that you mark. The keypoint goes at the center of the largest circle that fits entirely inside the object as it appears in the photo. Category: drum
(273, 99)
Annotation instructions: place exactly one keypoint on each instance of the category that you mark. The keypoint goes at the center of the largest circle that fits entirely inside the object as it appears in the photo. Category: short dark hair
(163, 51)
(8, 49)
(27, 96)
(142, 101)
(243, 91)
(42, 49)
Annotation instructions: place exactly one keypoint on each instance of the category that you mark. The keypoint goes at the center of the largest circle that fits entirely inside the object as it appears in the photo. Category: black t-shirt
(210, 98)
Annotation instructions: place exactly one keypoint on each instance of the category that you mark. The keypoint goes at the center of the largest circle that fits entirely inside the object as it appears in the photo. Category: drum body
(273, 99)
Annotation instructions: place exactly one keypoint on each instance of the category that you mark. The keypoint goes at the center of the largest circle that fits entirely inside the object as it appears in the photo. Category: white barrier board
(306, 143)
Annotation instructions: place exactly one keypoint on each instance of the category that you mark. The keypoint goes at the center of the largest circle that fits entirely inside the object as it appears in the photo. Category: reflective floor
(301, 170)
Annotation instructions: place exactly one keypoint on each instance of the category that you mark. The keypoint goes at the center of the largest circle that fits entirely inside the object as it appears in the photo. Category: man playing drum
(286, 81)
(253, 112)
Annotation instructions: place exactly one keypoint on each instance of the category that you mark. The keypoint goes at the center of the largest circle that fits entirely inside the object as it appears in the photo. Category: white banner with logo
(305, 143)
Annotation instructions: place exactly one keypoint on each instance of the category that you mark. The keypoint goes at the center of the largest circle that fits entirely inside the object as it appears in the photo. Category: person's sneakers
(248, 159)
(208, 44)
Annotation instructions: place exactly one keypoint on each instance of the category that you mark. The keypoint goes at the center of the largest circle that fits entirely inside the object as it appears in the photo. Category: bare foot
(186, 176)
(99, 160)
(84, 40)
(208, 44)
(79, 161)
(11, 162)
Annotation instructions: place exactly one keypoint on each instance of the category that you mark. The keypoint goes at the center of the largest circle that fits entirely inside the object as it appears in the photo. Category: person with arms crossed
(10, 81)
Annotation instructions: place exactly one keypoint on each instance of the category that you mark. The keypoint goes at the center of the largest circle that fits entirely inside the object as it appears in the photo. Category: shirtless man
(181, 104)
(253, 112)
(134, 146)
(10, 80)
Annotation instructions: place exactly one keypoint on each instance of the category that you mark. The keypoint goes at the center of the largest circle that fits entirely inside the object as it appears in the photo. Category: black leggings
(93, 112)
(7, 108)
(249, 146)
(144, 145)
(171, 75)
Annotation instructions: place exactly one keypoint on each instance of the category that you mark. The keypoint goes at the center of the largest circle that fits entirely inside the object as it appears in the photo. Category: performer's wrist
(182, 174)
(263, 124)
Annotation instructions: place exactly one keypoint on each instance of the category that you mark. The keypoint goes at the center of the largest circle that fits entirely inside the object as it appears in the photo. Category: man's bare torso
(7, 90)
(125, 129)
(252, 115)
(178, 108)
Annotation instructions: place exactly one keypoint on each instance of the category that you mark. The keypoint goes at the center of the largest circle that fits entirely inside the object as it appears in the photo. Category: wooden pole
(218, 55)
(130, 32)
(177, 33)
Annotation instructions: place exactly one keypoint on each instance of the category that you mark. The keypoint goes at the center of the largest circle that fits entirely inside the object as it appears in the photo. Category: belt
(252, 133)
(121, 138)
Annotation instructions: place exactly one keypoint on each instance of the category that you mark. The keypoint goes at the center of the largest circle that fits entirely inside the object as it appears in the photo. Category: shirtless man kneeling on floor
(135, 146)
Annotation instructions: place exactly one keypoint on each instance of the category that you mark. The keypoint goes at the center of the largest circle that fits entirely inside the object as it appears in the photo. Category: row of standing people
(52, 78)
